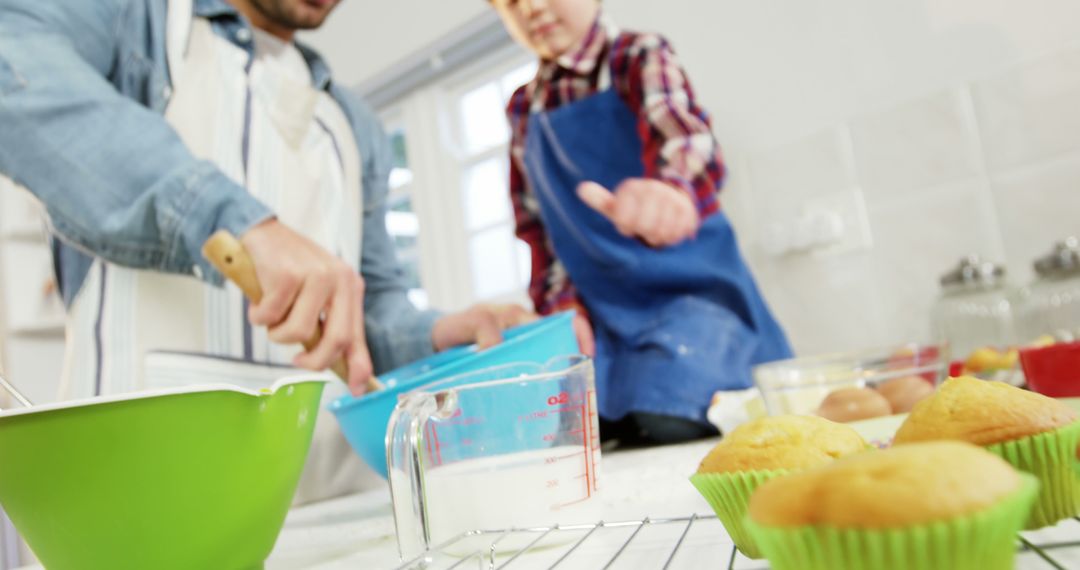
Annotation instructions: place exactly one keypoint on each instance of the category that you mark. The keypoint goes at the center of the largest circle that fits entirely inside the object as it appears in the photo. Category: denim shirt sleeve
(115, 178)
(397, 332)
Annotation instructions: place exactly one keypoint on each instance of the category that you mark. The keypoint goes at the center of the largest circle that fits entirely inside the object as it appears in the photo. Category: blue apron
(672, 325)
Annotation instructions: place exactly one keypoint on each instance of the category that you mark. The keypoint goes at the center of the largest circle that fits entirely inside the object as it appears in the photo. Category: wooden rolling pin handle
(228, 255)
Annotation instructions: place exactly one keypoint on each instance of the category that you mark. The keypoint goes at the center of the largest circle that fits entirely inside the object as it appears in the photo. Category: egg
(853, 404)
(903, 393)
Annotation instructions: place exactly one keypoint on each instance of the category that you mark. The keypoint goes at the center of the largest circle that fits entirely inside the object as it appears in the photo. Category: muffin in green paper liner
(729, 495)
(761, 450)
(928, 506)
(1034, 433)
(1052, 458)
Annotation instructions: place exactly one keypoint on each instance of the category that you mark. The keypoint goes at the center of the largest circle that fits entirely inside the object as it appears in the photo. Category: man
(144, 126)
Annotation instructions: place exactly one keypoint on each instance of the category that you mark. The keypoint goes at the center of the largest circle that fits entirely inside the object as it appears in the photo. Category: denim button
(243, 35)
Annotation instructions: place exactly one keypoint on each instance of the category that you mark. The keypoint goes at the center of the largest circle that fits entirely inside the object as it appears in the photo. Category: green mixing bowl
(191, 478)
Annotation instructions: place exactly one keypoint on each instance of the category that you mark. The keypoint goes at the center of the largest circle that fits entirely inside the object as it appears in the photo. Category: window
(402, 223)
(499, 263)
(450, 212)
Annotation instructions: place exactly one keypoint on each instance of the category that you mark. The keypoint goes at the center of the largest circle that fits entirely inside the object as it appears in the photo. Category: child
(653, 261)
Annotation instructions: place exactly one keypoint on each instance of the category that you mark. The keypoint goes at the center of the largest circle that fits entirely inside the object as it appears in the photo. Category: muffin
(1034, 433)
(761, 450)
(943, 505)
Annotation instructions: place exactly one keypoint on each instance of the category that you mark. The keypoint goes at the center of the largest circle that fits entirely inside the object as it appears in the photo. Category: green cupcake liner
(1051, 458)
(729, 496)
(983, 541)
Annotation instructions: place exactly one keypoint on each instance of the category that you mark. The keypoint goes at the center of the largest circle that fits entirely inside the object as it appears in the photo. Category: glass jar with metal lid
(975, 308)
(1051, 304)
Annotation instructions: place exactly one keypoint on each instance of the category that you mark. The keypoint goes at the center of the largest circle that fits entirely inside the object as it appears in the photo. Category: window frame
(431, 121)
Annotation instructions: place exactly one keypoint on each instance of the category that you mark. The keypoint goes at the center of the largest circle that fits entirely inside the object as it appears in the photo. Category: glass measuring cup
(508, 447)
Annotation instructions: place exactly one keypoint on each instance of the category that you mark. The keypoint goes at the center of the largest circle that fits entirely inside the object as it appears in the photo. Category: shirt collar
(214, 8)
(583, 58)
(320, 71)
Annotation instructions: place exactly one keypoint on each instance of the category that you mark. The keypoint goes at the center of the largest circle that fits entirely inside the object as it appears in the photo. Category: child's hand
(654, 211)
(482, 324)
(585, 336)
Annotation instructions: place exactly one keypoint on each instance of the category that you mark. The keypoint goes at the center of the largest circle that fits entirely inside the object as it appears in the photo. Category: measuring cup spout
(446, 403)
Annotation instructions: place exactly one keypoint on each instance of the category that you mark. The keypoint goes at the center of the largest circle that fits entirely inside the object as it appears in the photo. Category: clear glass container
(1050, 305)
(800, 385)
(975, 309)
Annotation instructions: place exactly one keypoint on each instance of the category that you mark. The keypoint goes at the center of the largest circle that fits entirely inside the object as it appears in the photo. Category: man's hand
(304, 284)
(482, 324)
(656, 212)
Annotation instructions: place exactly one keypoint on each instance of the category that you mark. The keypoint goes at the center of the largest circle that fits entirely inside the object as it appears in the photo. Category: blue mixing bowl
(364, 420)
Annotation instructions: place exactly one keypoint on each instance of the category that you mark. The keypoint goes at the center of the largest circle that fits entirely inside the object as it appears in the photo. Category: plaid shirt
(676, 135)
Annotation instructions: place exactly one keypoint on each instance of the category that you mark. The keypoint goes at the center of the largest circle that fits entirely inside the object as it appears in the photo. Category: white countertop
(358, 531)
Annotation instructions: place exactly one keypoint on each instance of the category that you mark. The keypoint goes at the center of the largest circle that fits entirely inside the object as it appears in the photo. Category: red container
(1053, 370)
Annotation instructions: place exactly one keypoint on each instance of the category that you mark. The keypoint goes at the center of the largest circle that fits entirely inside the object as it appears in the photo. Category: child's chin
(550, 50)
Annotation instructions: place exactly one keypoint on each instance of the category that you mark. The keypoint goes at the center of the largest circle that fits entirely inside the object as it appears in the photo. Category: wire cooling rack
(1043, 550)
(484, 550)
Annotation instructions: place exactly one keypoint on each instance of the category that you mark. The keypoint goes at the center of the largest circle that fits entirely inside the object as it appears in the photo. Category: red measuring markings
(585, 442)
(558, 458)
(458, 420)
(557, 399)
(566, 398)
(585, 439)
(594, 441)
(534, 416)
(433, 437)
(588, 439)
(566, 410)
(553, 436)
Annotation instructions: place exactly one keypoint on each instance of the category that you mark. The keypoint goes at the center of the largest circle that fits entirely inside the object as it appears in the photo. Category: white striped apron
(292, 147)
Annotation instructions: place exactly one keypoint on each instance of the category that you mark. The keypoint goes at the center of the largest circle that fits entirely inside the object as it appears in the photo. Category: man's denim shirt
(83, 90)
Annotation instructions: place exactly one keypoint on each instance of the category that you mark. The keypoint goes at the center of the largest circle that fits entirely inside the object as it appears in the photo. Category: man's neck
(261, 21)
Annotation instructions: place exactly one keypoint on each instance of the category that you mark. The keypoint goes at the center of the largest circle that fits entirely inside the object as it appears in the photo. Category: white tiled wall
(1037, 204)
(989, 166)
(938, 128)
(1029, 112)
(922, 143)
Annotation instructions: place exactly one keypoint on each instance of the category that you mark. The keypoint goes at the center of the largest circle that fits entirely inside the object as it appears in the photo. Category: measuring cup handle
(405, 463)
